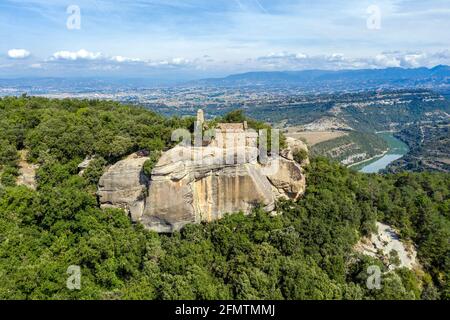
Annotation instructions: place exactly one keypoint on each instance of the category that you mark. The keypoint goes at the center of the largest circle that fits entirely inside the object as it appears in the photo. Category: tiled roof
(231, 126)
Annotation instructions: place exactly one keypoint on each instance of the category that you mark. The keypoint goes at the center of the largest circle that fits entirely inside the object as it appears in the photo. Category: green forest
(429, 148)
(304, 252)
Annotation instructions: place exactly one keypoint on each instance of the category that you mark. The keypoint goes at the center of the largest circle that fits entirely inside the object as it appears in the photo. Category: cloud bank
(84, 62)
(18, 53)
(339, 61)
(76, 55)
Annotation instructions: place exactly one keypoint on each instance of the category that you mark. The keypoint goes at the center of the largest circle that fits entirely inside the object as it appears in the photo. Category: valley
(384, 131)
(339, 125)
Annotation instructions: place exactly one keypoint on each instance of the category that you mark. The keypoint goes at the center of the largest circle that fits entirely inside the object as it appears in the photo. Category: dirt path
(27, 171)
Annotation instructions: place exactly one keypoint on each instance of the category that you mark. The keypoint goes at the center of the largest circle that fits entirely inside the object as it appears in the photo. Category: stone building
(230, 135)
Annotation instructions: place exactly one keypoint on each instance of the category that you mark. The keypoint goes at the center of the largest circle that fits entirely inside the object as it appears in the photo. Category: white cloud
(276, 61)
(408, 59)
(335, 57)
(300, 61)
(84, 61)
(114, 61)
(415, 60)
(179, 62)
(301, 56)
(77, 55)
(121, 59)
(338, 61)
(18, 53)
(284, 55)
(335, 61)
(387, 60)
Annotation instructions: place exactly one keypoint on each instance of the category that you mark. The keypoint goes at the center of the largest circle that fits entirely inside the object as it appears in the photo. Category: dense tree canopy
(304, 252)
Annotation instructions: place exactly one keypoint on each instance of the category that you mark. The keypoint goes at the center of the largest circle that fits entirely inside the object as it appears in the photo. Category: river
(397, 149)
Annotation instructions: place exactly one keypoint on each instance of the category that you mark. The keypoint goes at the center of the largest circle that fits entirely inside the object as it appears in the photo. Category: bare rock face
(289, 180)
(191, 185)
(84, 165)
(382, 245)
(124, 185)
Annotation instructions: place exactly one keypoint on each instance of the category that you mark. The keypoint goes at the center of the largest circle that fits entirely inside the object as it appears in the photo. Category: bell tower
(200, 118)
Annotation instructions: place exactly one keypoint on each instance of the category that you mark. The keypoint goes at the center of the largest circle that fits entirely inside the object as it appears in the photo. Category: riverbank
(369, 159)
(396, 150)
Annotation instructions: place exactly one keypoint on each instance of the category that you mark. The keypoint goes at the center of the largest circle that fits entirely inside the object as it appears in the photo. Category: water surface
(397, 149)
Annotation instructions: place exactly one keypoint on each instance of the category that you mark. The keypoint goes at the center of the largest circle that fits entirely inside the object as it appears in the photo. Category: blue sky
(200, 38)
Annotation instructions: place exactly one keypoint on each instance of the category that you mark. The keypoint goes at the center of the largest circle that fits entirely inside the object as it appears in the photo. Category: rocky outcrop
(289, 181)
(194, 184)
(384, 243)
(294, 145)
(191, 185)
(327, 124)
(124, 185)
(84, 165)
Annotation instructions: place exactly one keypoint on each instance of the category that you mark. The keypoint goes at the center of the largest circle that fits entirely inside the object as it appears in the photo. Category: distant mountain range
(438, 76)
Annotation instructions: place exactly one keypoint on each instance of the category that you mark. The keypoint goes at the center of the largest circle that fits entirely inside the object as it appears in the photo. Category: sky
(190, 39)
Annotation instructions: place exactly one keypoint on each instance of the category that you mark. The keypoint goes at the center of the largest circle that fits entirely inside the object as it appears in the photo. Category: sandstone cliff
(124, 185)
(190, 185)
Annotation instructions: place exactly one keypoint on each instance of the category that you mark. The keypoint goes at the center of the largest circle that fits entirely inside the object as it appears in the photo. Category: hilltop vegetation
(351, 148)
(303, 253)
(61, 133)
(429, 146)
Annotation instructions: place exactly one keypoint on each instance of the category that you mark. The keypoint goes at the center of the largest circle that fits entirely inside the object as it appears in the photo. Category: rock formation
(124, 185)
(84, 165)
(293, 145)
(195, 184)
(289, 180)
(382, 244)
(190, 185)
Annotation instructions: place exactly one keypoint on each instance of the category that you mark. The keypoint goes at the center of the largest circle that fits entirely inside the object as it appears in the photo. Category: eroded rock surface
(124, 185)
(191, 185)
(294, 145)
(382, 244)
(84, 165)
(194, 185)
(289, 180)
